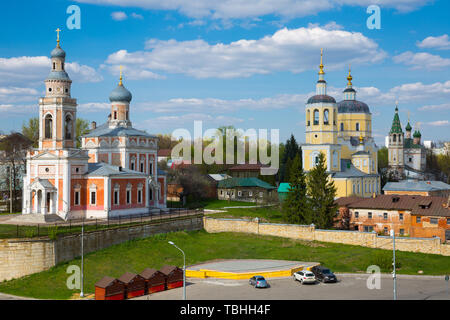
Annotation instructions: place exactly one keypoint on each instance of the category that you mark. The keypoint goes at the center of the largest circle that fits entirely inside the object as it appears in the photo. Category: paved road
(350, 286)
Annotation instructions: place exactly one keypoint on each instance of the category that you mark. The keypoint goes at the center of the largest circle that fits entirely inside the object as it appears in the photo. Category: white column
(147, 193)
(107, 195)
(44, 202)
(66, 187)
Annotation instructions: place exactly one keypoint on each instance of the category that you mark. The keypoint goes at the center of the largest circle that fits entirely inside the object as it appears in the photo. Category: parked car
(304, 276)
(258, 282)
(323, 274)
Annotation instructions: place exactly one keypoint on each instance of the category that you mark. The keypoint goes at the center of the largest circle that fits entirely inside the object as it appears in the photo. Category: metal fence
(53, 229)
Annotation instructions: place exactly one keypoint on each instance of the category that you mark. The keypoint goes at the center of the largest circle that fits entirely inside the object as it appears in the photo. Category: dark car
(323, 274)
(258, 282)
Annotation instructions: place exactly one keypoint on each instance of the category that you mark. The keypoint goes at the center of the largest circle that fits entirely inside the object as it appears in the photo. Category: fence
(74, 225)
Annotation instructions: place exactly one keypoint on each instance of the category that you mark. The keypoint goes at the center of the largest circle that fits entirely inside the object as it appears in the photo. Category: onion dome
(350, 104)
(120, 93)
(58, 52)
(417, 134)
(321, 98)
(408, 127)
(321, 87)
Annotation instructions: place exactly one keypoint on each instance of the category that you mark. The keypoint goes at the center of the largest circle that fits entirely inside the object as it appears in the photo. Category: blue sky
(247, 63)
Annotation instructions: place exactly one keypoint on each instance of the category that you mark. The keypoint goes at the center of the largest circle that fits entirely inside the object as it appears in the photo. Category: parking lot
(349, 286)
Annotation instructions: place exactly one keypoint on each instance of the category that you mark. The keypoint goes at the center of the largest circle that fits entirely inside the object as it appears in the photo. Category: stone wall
(366, 239)
(21, 257)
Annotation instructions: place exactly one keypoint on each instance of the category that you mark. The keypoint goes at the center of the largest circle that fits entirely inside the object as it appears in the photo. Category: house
(246, 189)
(420, 188)
(164, 154)
(407, 215)
(283, 190)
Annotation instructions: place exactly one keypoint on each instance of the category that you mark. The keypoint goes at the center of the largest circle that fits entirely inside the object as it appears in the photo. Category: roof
(58, 53)
(164, 152)
(361, 153)
(434, 206)
(118, 131)
(168, 269)
(105, 170)
(148, 273)
(408, 127)
(284, 187)
(408, 143)
(423, 186)
(321, 98)
(219, 176)
(346, 201)
(105, 282)
(58, 75)
(120, 94)
(244, 182)
(348, 170)
(352, 106)
(396, 125)
(127, 277)
(248, 167)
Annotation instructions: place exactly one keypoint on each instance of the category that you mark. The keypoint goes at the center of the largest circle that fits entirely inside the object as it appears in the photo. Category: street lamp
(184, 269)
(393, 264)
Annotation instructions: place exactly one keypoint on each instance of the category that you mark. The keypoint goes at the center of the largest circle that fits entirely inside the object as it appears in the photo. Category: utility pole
(10, 189)
(394, 275)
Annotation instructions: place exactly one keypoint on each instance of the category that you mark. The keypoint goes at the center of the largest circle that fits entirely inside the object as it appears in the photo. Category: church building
(114, 173)
(343, 133)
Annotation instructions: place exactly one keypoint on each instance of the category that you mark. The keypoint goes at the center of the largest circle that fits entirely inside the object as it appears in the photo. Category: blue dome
(321, 98)
(120, 94)
(58, 75)
(58, 53)
(353, 106)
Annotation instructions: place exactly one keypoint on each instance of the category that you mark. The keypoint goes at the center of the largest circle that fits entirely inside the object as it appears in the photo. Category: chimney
(93, 125)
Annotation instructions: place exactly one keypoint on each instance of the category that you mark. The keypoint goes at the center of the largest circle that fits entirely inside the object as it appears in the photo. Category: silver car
(304, 276)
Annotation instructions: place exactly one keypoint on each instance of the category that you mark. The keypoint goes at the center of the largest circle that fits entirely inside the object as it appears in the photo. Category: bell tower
(396, 141)
(57, 110)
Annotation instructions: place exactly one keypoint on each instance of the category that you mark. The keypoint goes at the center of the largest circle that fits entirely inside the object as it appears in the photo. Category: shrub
(53, 232)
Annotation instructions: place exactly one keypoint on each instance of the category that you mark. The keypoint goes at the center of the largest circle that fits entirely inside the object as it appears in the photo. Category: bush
(29, 233)
(53, 232)
(384, 261)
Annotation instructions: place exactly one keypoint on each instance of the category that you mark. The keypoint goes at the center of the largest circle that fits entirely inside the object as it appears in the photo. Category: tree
(290, 150)
(81, 128)
(321, 193)
(383, 158)
(13, 152)
(31, 131)
(195, 184)
(295, 207)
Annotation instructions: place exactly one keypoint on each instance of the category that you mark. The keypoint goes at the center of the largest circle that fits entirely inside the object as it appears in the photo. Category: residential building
(420, 188)
(246, 189)
(407, 215)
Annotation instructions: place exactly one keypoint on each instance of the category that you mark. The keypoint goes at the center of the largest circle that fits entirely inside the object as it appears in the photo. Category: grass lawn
(6, 213)
(199, 246)
(218, 204)
(266, 214)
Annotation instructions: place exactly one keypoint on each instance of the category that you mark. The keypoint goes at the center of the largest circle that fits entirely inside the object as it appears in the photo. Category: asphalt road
(350, 286)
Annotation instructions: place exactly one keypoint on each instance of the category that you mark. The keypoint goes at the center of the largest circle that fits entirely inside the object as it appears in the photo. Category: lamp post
(184, 269)
(82, 259)
(393, 264)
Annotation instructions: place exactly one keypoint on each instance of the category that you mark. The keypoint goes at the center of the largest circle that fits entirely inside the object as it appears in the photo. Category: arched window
(394, 138)
(48, 127)
(115, 115)
(342, 126)
(316, 117)
(326, 116)
(54, 66)
(308, 118)
(69, 127)
(357, 126)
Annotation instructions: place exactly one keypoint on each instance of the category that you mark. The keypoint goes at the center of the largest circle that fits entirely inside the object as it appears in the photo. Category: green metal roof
(409, 144)
(244, 182)
(408, 127)
(396, 125)
(284, 187)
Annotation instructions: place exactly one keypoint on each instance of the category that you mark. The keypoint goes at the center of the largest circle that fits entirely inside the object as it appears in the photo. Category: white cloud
(421, 60)
(136, 16)
(16, 94)
(294, 50)
(119, 15)
(439, 123)
(441, 42)
(240, 9)
(94, 106)
(30, 70)
(436, 107)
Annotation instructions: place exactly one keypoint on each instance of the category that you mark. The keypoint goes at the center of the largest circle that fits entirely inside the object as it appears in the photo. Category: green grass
(219, 204)
(199, 246)
(266, 214)
(6, 213)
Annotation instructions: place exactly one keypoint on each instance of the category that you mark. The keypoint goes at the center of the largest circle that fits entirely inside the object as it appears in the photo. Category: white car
(304, 276)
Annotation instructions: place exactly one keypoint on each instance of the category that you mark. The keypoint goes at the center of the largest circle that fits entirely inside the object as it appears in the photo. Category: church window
(334, 117)
(133, 160)
(54, 66)
(68, 126)
(76, 198)
(150, 169)
(48, 126)
(116, 198)
(139, 196)
(67, 90)
(316, 117)
(115, 115)
(142, 166)
(357, 126)
(129, 193)
(93, 197)
(49, 89)
(342, 126)
(410, 159)
(394, 138)
(325, 116)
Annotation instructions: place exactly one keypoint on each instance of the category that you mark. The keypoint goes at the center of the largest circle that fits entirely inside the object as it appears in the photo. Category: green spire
(408, 127)
(417, 134)
(396, 125)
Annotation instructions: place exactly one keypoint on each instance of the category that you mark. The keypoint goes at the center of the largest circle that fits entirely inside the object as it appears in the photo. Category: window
(368, 228)
(139, 196)
(308, 117)
(325, 116)
(115, 115)
(385, 216)
(116, 197)
(48, 127)
(239, 193)
(54, 66)
(357, 126)
(394, 138)
(142, 166)
(150, 170)
(402, 232)
(369, 215)
(433, 220)
(316, 117)
(128, 196)
(68, 126)
(410, 159)
(261, 194)
(356, 214)
(400, 216)
(342, 126)
(93, 197)
(77, 198)
(418, 220)
(386, 230)
(250, 194)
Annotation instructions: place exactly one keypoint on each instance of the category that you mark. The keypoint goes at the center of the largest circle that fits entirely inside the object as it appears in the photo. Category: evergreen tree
(321, 193)
(291, 149)
(295, 206)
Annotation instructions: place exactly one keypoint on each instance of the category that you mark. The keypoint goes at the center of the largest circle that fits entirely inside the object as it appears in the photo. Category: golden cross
(321, 62)
(57, 34)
